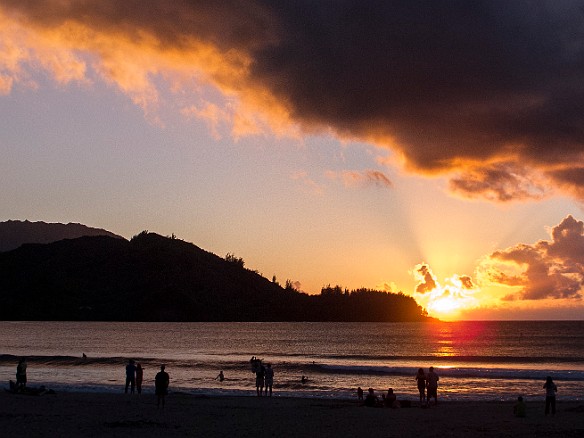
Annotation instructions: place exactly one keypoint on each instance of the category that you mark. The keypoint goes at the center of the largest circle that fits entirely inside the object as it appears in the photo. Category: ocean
(475, 360)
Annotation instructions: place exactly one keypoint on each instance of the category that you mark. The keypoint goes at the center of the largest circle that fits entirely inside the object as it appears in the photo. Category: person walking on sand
(139, 378)
(550, 395)
(421, 380)
(21, 375)
(269, 378)
(161, 382)
(432, 385)
(130, 376)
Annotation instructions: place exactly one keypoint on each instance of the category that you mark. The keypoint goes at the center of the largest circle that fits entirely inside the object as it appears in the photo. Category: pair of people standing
(264, 377)
(428, 382)
(134, 377)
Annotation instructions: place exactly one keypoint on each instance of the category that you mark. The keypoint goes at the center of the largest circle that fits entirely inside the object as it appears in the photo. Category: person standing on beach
(269, 378)
(432, 379)
(260, 376)
(21, 375)
(139, 378)
(130, 376)
(161, 382)
(550, 395)
(421, 380)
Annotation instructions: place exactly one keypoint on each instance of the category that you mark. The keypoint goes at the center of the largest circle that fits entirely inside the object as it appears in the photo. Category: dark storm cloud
(448, 80)
(550, 269)
(450, 85)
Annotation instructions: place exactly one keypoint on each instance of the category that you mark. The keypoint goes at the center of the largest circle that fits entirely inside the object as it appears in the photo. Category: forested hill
(16, 233)
(155, 278)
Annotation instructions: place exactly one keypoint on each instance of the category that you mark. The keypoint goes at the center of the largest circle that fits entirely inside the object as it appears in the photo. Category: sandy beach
(98, 414)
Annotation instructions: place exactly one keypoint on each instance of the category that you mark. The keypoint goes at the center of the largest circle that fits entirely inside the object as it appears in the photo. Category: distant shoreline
(99, 414)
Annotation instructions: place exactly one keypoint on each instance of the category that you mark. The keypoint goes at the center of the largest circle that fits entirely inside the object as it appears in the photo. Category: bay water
(494, 360)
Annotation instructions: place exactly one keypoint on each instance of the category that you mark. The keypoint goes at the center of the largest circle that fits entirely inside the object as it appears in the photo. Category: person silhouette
(21, 375)
(390, 400)
(520, 409)
(221, 376)
(371, 399)
(260, 378)
(139, 378)
(421, 380)
(161, 382)
(359, 393)
(269, 379)
(550, 395)
(432, 385)
(130, 376)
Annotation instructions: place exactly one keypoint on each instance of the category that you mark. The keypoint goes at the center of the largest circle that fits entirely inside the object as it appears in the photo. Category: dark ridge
(155, 278)
(16, 233)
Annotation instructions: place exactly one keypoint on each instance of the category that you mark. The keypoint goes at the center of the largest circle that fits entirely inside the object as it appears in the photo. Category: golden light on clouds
(252, 68)
(446, 300)
(140, 65)
(546, 274)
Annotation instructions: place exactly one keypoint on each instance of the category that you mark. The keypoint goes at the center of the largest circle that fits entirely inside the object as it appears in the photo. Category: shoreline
(92, 414)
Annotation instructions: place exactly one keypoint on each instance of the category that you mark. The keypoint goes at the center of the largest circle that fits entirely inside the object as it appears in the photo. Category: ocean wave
(294, 367)
(456, 358)
(481, 373)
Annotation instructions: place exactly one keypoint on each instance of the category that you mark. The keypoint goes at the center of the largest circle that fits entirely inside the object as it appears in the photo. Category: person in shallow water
(221, 376)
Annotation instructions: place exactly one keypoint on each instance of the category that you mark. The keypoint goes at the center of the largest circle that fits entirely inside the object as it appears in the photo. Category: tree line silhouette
(156, 278)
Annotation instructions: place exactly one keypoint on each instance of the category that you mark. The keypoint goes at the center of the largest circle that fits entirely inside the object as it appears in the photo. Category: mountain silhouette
(15, 233)
(156, 278)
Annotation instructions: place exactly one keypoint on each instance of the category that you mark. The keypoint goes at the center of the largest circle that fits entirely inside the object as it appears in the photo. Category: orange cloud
(502, 182)
(489, 94)
(425, 277)
(547, 269)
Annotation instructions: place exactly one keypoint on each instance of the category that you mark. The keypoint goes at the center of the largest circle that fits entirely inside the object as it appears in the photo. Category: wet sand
(99, 415)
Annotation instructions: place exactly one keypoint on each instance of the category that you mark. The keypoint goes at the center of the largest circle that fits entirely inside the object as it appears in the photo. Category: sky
(429, 147)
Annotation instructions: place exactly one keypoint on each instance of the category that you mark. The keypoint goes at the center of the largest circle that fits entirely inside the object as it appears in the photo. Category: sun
(445, 305)
(445, 301)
